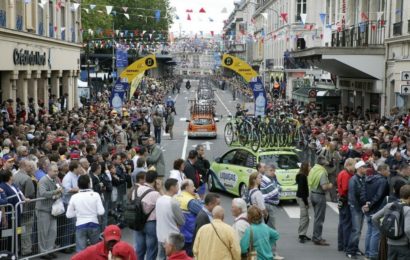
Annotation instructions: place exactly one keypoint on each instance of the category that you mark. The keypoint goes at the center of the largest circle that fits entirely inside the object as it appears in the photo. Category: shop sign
(27, 57)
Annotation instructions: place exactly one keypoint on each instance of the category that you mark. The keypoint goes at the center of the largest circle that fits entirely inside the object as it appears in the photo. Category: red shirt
(181, 255)
(95, 252)
(343, 182)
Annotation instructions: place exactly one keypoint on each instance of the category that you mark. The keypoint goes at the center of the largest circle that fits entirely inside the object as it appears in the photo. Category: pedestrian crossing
(293, 211)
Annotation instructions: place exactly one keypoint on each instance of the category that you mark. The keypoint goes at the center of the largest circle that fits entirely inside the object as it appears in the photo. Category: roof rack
(201, 109)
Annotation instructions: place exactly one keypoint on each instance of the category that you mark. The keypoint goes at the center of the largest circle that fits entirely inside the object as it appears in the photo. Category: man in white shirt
(86, 206)
(169, 215)
(240, 212)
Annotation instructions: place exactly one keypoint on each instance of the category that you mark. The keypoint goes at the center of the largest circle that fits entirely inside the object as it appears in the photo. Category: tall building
(39, 43)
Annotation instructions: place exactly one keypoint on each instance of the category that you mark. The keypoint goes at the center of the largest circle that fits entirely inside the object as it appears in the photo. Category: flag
(157, 15)
(224, 10)
(379, 15)
(284, 17)
(212, 33)
(127, 15)
(188, 18)
(364, 16)
(109, 8)
(322, 17)
(210, 19)
(202, 10)
(125, 8)
(265, 15)
(75, 6)
(303, 18)
(135, 83)
(92, 7)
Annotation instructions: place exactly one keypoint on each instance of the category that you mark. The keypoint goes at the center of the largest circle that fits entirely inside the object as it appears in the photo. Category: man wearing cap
(100, 251)
(318, 182)
(123, 251)
(355, 187)
(8, 163)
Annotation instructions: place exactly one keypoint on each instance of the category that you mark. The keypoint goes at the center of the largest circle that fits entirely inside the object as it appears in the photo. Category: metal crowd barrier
(7, 230)
(38, 233)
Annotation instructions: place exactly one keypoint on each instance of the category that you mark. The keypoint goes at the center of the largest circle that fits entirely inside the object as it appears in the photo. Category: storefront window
(374, 103)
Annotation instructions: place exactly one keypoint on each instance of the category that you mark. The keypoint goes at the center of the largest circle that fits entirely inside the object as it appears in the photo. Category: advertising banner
(239, 66)
(118, 95)
(139, 67)
(259, 94)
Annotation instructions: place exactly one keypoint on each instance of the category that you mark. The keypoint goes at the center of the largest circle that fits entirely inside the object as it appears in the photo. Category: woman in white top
(255, 195)
(177, 173)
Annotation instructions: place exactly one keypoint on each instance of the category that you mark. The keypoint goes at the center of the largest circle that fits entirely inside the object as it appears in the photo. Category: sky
(200, 21)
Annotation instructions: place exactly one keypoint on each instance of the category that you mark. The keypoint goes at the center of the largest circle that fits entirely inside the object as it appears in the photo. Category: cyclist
(239, 111)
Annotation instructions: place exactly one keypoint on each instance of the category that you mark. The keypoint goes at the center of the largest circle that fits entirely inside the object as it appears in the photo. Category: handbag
(252, 254)
(57, 208)
(223, 242)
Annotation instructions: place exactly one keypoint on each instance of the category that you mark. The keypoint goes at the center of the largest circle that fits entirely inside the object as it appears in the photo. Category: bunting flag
(157, 15)
(176, 17)
(322, 17)
(379, 15)
(202, 10)
(42, 3)
(212, 33)
(373, 27)
(75, 6)
(224, 10)
(58, 5)
(125, 9)
(27, 1)
(364, 17)
(127, 15)
(189, 11)
(86, 10)
(265, 15)
(92, 6)
(109, 8)
(284, 17)
(211, 20)
(303, 18)
(188, 18)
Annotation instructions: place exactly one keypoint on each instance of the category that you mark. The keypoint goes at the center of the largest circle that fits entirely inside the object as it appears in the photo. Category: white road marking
(165, 134)
(292, 211)
(207, 145)
(223, 104)
(182, 119)
(185, 133)
(333, 205)
(184, 147)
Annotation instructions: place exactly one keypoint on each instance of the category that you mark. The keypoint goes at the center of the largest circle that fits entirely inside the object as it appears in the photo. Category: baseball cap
(124, 250)
(8, 157)
(112, 232)
(358, 146)
(359, 164)
(396, 139)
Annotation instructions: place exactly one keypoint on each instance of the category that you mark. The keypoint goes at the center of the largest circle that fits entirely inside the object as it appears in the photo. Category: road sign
(405, 75)
(405, 89)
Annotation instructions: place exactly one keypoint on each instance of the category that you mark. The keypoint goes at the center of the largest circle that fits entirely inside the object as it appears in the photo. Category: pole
(87, 60)
(113, 52)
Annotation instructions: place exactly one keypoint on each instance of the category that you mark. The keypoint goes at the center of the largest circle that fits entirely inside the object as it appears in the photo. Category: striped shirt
(270, 189)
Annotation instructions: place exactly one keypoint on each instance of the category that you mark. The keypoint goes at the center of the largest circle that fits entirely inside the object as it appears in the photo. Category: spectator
(374, 191)
(157, 122)
(191, 171)
(169, 215)
(106, 180)
(345, 220)
(302, 195)
(202, 165)
(85, 206)
(170, 120)
(402, 174)
(51, 190)
(318, 182)
(205, 215)
(333, 157)
(178, 172)
(174, 247)
(156, 158)
(43, 163)
(255, 196)
(24, 182)
(263, 236)
(240, 212)
(190, 205)
(123, 251)
(141, 167)
(217, 240)
(101, 250)
(95, 172)
(398, 249)
(146, 242)
(355, 203)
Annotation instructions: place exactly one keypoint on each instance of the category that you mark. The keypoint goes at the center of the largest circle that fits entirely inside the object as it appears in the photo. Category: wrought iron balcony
(361, 35)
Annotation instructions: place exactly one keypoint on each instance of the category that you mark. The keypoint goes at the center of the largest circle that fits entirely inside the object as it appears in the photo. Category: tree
(93, 19)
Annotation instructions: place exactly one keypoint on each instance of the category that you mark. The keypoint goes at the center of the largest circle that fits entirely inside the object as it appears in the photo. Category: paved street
(287, 218)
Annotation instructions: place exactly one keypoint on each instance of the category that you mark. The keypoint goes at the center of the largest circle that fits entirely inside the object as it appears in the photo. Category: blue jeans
(372, 239)
(345, 228)
(357, 224)
(82, 235)
(157, 133)
(146, 242)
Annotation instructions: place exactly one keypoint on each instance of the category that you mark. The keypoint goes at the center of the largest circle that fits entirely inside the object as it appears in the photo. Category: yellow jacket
(208, 245)
(184, 198)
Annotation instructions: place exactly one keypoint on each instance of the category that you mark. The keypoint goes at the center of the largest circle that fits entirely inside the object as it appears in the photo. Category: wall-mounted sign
(27, 57)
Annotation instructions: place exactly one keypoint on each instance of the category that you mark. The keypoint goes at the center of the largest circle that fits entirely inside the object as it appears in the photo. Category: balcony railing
(51, 30)
(362, 35)
(397, 28)
(3, 16)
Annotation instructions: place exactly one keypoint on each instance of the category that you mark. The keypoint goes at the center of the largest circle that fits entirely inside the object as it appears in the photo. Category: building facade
(39, 42)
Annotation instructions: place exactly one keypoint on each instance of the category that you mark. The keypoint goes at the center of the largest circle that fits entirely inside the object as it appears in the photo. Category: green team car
(231, 171)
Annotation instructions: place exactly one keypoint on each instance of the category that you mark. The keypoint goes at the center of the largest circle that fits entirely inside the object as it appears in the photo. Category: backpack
(248, 197)
(134, 214)
(393, 222)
